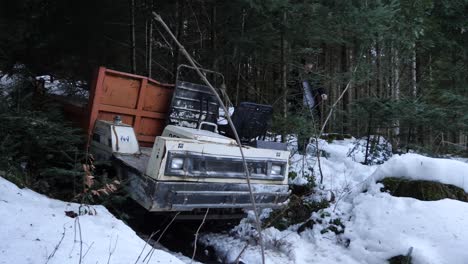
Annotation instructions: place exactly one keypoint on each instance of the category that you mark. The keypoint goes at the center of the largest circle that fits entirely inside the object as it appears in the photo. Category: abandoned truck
(165, 141)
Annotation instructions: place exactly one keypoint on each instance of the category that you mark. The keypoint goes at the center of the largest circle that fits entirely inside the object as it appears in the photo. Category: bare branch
(150, 253)
(147, 241)
(196, 235)
(56, 247)
(111, 251)
(231, 124)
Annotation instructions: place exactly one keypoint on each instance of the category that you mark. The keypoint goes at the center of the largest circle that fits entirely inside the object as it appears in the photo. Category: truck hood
(196, 134)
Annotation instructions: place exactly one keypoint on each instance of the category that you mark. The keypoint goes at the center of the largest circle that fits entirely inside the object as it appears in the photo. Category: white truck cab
(191, 168)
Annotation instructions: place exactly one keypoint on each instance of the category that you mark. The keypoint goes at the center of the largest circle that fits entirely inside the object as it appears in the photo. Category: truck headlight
(177, 163)
(275, 170)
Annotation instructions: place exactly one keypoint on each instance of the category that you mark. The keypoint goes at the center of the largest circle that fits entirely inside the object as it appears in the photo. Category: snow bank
(32, 225)
(417, 167)
(383, 226)
(339, 170)
(378, 225)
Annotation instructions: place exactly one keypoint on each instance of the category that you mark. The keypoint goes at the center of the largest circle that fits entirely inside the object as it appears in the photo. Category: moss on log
(423, 190)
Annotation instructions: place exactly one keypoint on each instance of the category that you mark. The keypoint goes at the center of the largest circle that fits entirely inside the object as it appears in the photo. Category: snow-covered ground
(378, 226)
(35, 229)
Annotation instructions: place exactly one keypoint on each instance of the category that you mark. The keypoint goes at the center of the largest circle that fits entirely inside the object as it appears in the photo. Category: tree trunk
(132, 37)
(213, 36)
(378, 63)
(396, 91)
(346, 110)
(178, 32)
(414, 71)
(239, 59)
(150, 40)
(284, 68)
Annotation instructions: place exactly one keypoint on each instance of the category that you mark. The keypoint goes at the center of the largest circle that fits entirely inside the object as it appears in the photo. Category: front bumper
(161, 196)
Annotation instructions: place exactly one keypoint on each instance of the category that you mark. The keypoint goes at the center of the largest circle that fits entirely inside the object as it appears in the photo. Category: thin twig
(147, 241)
(77, 222)
(231, 124)
(113, 250)
(86, 253)
(338, 100)
(240, 254)
(317, 150)
(327, 119)
(196, 235)
(56, 247)
(150, 253)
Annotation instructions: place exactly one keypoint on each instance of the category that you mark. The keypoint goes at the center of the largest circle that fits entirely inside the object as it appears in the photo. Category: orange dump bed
(140, 101)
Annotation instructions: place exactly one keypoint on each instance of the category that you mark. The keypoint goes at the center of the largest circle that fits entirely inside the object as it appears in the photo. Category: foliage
(38, 149)
(297, 211)
(400, 259)
(423, 190)
(376, 150)
(93, 188)
(410, 85)
(305, 189)
(298, 123)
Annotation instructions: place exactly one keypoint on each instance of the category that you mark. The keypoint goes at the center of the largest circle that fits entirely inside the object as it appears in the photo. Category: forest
(404, 60)
(375, 172)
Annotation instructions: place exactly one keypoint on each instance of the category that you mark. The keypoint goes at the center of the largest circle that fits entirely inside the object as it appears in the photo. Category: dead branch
(147, 242)
(56, 247)
(231, 124)
(196, 235)
(111, 251)
(150, 253)
(240, 254)
(77, 223)
(86, 253)
(327, 119)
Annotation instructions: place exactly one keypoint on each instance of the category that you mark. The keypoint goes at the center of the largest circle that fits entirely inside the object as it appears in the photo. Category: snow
(64, 87)
(52, 86)
(339, 171)
(6, 80)
(418, 167)
(222, 119)
(378, 226)
(32, 225)
(384, 226)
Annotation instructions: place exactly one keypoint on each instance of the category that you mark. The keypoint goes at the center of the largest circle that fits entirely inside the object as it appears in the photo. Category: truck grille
(198, 165)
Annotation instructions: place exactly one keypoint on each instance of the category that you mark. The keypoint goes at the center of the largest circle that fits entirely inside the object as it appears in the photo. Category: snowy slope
(378, 225)
(32, 225)
(383, 226)
(340, 172)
